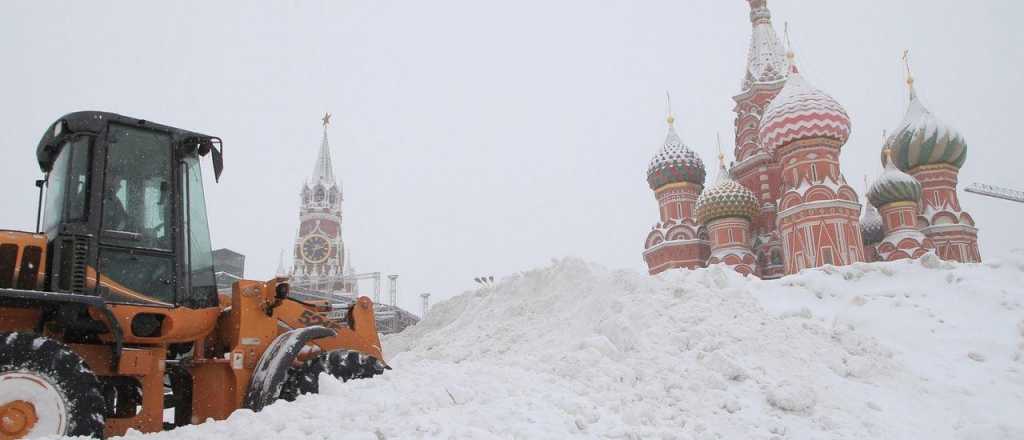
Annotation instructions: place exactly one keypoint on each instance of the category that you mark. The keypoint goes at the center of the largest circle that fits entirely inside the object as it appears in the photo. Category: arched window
(319, 194)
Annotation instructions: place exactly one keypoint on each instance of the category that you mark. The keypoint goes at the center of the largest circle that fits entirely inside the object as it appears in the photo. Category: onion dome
(674, 162)
(726, 198)
(801, 111)
(922, 139)
(871, 225)
(893, 185)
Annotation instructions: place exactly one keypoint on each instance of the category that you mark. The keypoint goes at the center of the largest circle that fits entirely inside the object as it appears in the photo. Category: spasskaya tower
(319, 251)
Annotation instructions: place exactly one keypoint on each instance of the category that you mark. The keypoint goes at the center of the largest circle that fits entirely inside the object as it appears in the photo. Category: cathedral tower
(896, 194)
(933, 152)
(319, 251)
(676, 175)
(804, 129)
(726, 209)
(871, 228)
(766, 72)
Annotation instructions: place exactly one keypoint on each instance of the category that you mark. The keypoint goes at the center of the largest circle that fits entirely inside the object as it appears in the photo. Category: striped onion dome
(801, 111)
(922, 139)
(871, 225)
(674, 162)
(726, 198)
(893, 186)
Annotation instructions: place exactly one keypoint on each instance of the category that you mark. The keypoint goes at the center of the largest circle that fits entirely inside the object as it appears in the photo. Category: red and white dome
(801, 111)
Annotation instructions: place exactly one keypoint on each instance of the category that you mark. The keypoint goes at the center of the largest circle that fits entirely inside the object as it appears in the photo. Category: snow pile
(923, 349)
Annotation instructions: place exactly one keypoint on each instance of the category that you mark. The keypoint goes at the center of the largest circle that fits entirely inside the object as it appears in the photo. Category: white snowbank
(892, 350)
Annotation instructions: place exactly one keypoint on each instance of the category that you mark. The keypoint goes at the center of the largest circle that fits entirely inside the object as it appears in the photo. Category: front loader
(109, 313)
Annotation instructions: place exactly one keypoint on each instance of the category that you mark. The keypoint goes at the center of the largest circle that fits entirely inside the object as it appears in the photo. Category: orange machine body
(226, 341)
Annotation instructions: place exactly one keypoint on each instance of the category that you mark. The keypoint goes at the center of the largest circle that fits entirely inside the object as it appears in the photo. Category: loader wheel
(46, 390)
(342, 364)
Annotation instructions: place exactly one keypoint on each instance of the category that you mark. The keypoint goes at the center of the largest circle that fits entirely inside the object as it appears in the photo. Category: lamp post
(426, 304)
(393, 290)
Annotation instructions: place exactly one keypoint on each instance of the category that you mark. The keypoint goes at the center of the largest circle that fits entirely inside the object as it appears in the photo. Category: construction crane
(996, 192)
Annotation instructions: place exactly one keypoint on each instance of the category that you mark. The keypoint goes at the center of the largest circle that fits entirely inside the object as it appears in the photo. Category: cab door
(136, 261)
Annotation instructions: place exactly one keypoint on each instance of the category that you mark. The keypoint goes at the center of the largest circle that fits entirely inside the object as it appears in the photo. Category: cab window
(67, 186)
(136, 200)
(199, 254)
(136, 259)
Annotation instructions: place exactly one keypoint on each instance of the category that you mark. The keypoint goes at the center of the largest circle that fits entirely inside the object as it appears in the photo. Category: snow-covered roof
(871, 229)
(674, 162)
(801, 111)
(726, 198)
(893, 185)
(895, 237)
(923, 139)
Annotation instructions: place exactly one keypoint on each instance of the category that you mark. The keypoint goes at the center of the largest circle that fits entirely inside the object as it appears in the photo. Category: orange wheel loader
(109, 313)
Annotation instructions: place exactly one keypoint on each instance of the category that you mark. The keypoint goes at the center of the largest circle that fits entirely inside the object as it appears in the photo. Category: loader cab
(124, 211)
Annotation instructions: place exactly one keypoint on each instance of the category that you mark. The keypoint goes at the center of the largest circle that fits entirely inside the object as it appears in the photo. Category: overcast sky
(485, 137)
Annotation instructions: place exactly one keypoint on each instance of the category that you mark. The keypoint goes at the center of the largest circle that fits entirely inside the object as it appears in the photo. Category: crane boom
(996, 191)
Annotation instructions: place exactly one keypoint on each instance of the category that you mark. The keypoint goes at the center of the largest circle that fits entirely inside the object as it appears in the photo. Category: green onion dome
(726, 198)
(893, 186)
(674, 162)
(922, 139)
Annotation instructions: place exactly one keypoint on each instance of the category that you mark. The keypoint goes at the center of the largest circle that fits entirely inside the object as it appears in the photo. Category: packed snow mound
(917, 349)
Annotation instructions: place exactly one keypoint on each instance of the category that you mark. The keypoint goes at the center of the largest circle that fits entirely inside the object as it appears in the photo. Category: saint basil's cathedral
(784, 205)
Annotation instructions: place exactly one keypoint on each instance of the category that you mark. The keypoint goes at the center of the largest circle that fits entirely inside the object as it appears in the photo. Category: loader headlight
(281, 292)
(147, 325)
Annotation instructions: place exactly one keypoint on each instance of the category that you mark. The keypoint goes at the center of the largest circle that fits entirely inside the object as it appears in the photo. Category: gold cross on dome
(671, 119)
(326, 119)
(721, 155)
(906, 64)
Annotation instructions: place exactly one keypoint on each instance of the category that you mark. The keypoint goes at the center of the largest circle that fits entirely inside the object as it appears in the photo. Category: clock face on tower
(316, 249)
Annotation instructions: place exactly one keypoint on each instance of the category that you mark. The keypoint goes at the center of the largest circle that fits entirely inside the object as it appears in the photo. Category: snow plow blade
(272, 369)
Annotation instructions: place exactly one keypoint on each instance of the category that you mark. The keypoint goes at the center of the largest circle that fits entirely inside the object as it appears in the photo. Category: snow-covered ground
(905, 350)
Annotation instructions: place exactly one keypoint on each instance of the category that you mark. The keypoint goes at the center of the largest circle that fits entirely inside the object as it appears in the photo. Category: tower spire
(910, 76)
(766, 61)
(790, 54)
(721, 155)
(323, 171)
(723, 172)
(671, 119)
(281, 271)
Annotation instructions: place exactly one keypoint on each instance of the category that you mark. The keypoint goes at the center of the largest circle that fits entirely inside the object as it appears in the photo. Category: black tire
(62, 372)
(342, 364)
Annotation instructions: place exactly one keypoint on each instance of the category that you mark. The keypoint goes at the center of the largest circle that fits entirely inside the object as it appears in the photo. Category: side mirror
(218, 163)
(204, 146)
